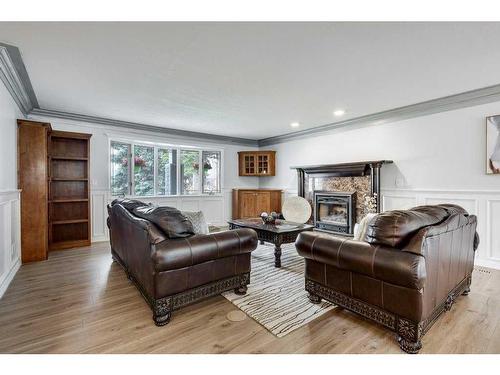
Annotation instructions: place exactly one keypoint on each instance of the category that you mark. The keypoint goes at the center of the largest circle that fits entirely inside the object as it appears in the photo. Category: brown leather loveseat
(411, 267)
(174, 267)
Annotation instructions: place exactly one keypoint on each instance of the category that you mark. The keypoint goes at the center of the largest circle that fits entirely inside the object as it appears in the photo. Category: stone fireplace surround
(363, 178)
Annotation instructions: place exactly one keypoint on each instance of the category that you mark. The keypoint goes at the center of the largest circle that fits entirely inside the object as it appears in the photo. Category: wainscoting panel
(493, 232)
(213, 210)
(10, 237)
(394, 202)
(214, 207)
(99, 214)
(484, 204)
(470, 204)
(188, 204)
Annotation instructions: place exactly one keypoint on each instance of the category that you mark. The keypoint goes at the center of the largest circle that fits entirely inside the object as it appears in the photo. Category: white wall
(437, 158)
(10, 248)
(217, 208)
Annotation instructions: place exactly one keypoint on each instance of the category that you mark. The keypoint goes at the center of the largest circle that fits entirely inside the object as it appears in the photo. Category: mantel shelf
(362, 168)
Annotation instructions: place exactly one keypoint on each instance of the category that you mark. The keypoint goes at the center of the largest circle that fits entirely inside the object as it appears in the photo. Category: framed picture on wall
(493, 144)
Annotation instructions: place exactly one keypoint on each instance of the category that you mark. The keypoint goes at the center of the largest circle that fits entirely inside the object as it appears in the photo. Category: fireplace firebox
(334, 211)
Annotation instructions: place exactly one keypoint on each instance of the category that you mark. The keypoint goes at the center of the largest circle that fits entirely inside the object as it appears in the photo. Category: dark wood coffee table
(280, 233)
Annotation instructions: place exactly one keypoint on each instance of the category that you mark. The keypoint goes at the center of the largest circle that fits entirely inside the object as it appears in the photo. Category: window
(190, 172)
(120, 168)
(211, 172)
(154, 170)
(143, 170)
(167, 172)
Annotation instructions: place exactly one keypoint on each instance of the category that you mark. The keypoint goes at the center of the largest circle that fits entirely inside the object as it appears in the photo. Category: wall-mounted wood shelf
(68, 158)
(69, 179)
(67, 200)
(69, 221)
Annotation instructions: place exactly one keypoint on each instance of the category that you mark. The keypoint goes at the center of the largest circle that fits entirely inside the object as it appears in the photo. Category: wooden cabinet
(252, 202)
(32, 172)
(53, 175)
(257, 163)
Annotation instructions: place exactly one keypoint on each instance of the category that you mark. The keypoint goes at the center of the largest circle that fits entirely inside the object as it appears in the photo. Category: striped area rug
(276, 297)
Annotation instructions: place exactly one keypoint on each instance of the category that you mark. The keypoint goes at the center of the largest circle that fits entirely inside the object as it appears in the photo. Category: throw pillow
(361, 228)
(200, 225)
(168, 219)
(129, 204)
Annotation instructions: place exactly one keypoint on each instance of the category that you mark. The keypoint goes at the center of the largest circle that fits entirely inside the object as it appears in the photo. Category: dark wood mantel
(361, 168)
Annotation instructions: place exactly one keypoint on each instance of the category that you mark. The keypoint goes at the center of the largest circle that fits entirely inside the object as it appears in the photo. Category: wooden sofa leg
(467, 288)
(411, 347)
(241, 290)
(409, 335)
(314, 298)
(162, 311)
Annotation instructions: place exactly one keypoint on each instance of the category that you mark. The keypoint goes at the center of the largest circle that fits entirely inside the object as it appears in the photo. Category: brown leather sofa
(410, 268)
(174, 272)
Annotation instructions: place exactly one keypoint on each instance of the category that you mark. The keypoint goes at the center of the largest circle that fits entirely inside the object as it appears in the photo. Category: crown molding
(142, 127)
(447, 103)
(15, 77)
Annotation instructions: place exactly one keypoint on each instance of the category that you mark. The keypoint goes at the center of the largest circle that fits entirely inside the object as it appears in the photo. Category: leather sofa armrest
(377, 261)
(186, 252)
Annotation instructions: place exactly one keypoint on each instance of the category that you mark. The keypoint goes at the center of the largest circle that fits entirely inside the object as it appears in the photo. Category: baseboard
(488, 263)
(10, 277)
(100, 239)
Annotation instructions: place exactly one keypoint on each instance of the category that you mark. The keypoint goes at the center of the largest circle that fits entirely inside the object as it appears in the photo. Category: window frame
(129, 166)
(202, 179)
(156, 146)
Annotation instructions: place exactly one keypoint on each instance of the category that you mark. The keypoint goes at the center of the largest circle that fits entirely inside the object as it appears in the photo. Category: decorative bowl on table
(269, 218)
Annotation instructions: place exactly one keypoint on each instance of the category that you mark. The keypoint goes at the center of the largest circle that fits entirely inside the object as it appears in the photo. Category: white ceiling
(250, 80)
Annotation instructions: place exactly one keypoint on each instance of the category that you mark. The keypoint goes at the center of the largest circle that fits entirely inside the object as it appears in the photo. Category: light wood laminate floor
(79, 301)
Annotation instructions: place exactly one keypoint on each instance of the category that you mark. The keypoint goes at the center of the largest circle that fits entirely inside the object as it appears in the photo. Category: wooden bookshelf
(69, 203)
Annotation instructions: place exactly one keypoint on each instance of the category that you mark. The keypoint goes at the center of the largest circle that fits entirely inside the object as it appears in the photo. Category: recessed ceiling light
(294, 124)
(338, 112)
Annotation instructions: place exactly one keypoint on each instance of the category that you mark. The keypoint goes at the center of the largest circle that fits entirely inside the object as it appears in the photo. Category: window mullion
(155, 169)
(178, 172)
(132, 166)
(200, 171)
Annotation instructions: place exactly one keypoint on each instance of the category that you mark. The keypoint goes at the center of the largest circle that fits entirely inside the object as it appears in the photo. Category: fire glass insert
(334, 211)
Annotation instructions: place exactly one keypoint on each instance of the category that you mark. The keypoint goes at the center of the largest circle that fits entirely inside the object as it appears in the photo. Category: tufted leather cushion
(394, 228)
(187, 252)
(380, 262)
(168, 219)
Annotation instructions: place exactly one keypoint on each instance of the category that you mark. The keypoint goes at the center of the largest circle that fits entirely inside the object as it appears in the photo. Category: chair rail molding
(10, 237)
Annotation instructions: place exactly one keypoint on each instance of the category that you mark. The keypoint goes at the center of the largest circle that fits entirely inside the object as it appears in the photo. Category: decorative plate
(296, 209)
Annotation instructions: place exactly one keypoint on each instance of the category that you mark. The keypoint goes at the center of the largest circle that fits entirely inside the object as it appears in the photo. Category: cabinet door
(247, 204)
(263, 164)
(248, 164)
(262, 202)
